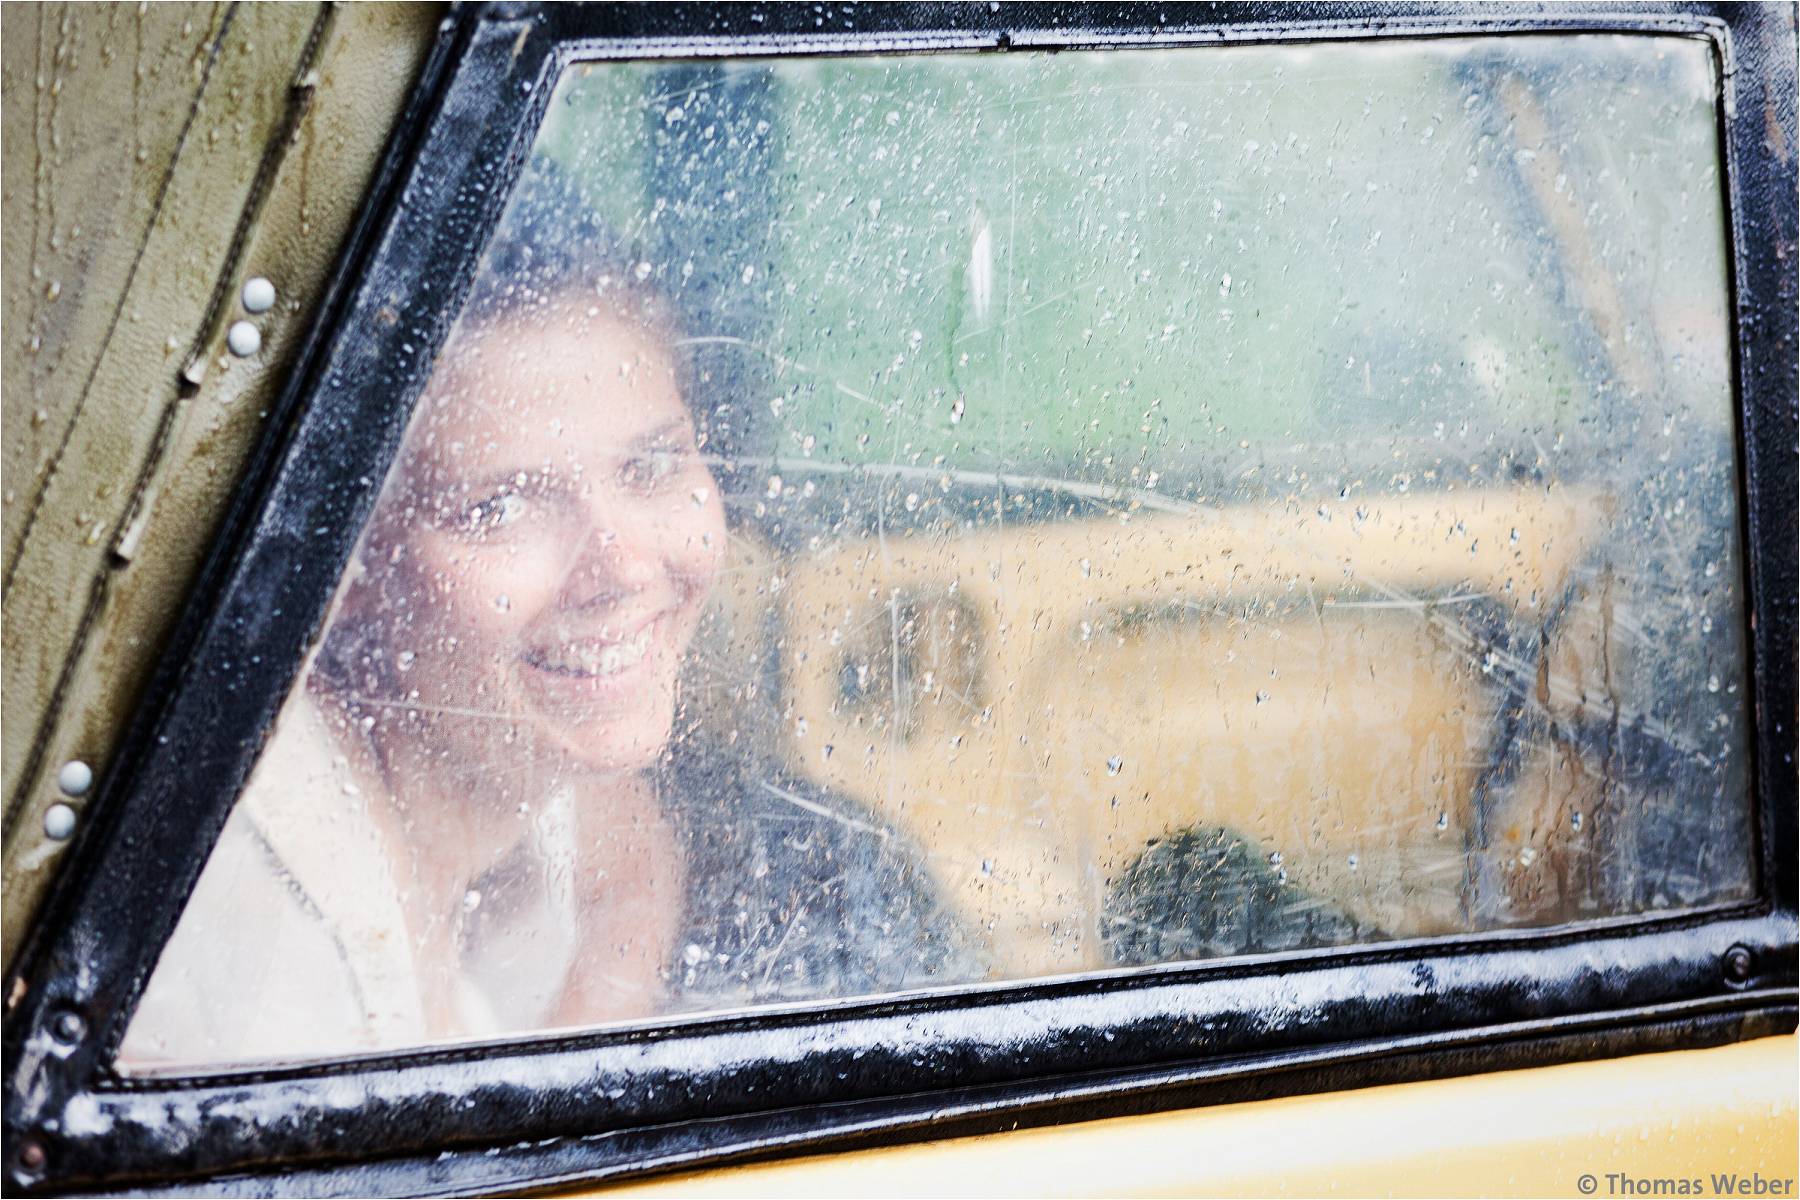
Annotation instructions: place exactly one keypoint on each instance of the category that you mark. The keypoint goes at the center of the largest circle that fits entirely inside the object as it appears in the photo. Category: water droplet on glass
(956, 411)
(1443, 821)
(471, 900)
(503, 602)
(773, 490)
(1114, 765)
(1087, 569)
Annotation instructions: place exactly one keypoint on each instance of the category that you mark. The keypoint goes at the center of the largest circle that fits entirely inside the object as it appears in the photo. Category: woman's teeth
(590, 658)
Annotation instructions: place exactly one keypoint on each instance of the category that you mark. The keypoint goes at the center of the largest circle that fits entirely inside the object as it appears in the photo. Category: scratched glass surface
(885, 523)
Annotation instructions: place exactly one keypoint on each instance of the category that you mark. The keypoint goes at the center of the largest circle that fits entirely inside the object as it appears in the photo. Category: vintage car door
(903, 599)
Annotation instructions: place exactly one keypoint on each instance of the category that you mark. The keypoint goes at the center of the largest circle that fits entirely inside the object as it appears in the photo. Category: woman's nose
(615, 559)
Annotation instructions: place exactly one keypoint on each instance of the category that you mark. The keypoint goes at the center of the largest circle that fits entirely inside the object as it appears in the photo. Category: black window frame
(585, 1106)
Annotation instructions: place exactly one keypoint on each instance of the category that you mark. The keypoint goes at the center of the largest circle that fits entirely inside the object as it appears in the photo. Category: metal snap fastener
(243, 339)
(258, 295)
(59, 822)
(75, 778)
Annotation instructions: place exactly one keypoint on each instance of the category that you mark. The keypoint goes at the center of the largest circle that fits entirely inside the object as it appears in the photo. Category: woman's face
(539, 566)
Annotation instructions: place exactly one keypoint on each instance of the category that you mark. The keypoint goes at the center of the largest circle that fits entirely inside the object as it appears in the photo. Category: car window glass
(883, 523)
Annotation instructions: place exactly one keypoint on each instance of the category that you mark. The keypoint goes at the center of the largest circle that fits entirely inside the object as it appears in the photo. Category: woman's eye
(647, 470)
(496, 512)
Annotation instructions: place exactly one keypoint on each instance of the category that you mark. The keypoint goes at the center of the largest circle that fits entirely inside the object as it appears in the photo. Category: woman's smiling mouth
(594, 658)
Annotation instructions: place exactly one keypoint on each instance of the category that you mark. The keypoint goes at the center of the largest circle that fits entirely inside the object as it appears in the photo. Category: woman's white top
(295, 944)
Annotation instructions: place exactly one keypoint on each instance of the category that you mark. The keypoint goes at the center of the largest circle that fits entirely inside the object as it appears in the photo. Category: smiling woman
(580, 527)
(488, 808)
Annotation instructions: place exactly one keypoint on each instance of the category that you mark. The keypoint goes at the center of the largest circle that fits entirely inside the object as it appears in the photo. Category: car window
(886, 523)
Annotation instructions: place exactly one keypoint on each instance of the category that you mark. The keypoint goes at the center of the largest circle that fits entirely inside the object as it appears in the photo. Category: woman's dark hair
(552, 245)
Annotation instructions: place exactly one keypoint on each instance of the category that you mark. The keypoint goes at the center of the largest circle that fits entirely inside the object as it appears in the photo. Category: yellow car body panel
(1687, 1116)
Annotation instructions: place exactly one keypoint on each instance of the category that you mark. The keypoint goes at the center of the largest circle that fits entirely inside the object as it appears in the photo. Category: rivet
(59, 822)
(33, 1157)
(243, 339)
(75, 778)
(259, 295)
(1738, 964)
(67, 1027)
